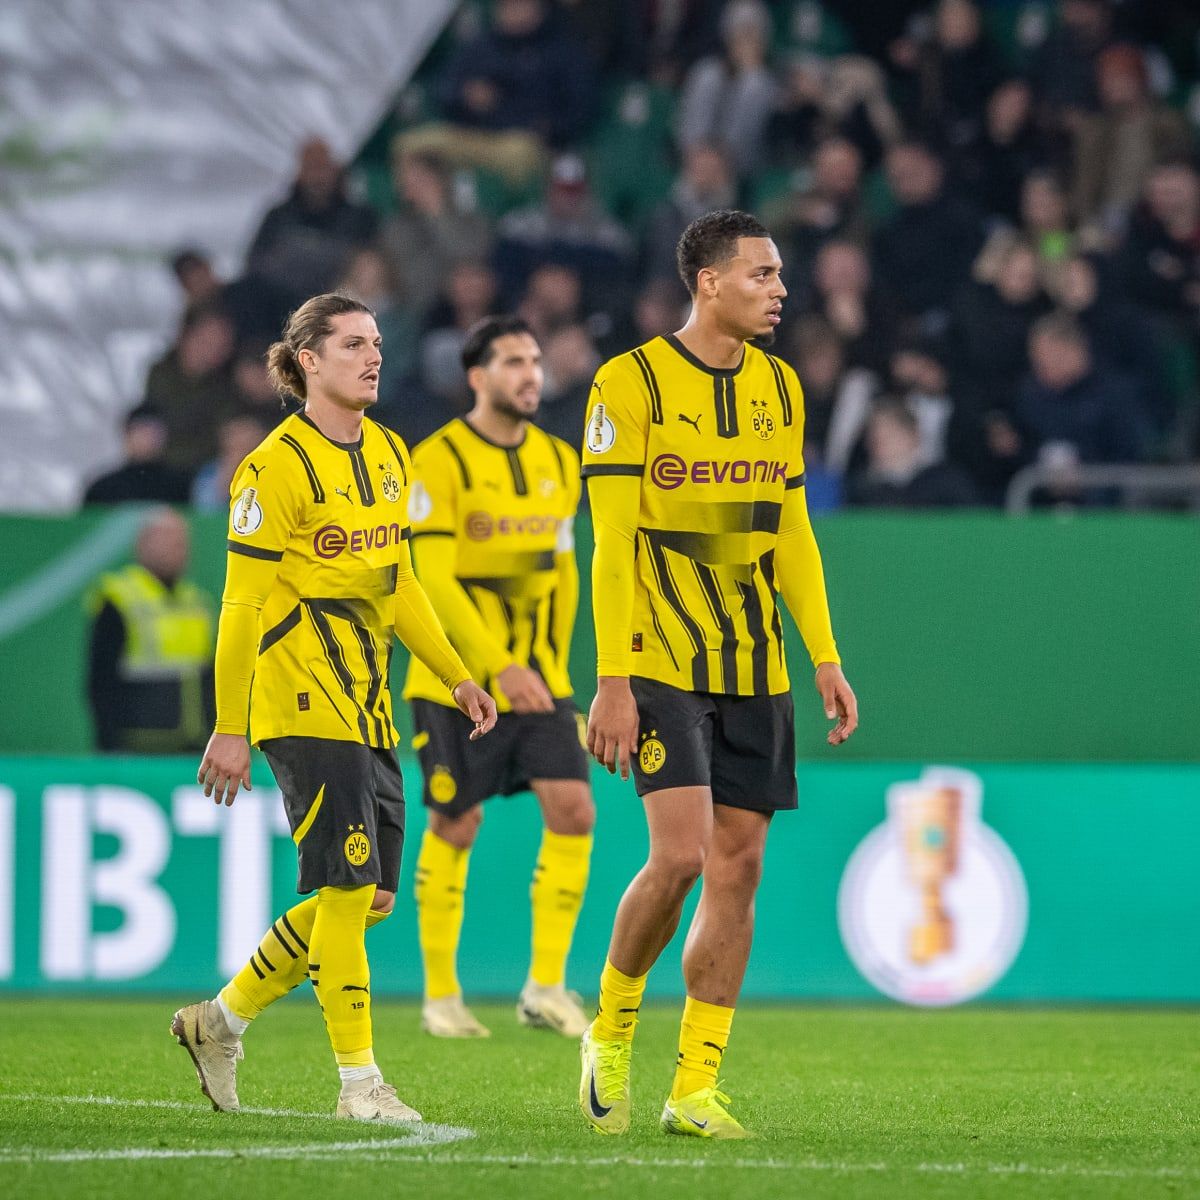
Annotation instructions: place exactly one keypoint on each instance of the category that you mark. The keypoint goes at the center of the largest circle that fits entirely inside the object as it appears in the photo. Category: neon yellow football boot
(604, 1083)
(702, 1114)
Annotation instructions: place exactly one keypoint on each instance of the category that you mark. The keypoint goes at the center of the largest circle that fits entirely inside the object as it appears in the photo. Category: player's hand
(226, 763)
(613, 725)
(839, 700)
(475, 703)
(525, 689)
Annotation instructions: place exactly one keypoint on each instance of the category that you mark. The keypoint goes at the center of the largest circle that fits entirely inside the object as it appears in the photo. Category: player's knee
(383, 902)
(740, 871)
(570, 812)
(678, 867)
(459, 831)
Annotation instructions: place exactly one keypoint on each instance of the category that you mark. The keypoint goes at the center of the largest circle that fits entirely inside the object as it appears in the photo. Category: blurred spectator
(253, 392)
(429, 234)
(830, 205)
(992, 168)
(237, 437)
(819, 98)
(660, 308)
(1116, 148)
(1063, 73)
(898, 474)
(190, 386)
(1045, 226)
(611, 32)
(470, 294)
(845, 296)
(149, 679)
(925, 250)
(728, 98)
(553, 299)
(1160, 262)
(143, 476)
(955, 69)
(1122, 339)
(837, 399)
(196, 277)
(304, 243)
(675, 34)
(705, 183)
(1071, 411)
(570, 228)
(991, 323)
(524, 84)
(919, 375)
(369, 278)
(569, 359)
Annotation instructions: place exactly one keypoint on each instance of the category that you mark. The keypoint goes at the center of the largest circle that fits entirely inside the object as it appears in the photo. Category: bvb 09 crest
(932, 905)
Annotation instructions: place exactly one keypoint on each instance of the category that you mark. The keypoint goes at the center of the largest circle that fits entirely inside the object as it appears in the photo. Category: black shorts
(743, 747)
(345, 804)
(460, 773)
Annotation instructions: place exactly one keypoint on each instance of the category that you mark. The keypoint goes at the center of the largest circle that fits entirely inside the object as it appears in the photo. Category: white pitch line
(415, 1147)
(417, 1134)
(200, 1106)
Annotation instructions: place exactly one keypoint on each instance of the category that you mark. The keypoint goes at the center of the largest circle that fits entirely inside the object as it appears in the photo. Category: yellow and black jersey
(717, 455)
(318, 536)
(494, 548)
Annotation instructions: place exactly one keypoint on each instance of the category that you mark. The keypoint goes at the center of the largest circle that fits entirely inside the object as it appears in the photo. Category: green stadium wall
(976, 638)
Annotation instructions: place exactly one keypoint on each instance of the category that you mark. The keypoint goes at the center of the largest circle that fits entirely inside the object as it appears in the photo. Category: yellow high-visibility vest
(168, 639)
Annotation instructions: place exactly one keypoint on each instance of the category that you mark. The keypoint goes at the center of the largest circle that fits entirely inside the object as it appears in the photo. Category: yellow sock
(374, 916)
(279, 964)
(339, 971)
(620, 999)
(559, 881)
(441, 883)
(703, 1036)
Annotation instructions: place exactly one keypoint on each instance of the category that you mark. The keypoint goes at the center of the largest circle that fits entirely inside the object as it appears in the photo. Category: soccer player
(318, 579)
(492, 511)
(692, 452)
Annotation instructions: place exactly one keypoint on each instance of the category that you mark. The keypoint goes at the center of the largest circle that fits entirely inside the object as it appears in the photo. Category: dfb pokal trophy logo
(932, 906)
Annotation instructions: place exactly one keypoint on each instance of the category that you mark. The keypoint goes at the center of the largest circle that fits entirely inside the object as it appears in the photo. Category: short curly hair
(711, 240)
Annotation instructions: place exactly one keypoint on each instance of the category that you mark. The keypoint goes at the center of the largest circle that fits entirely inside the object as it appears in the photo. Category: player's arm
(418, 627)
(264, 511)
(434, 513)
(614, 454)
(566, 595)
(802, 582)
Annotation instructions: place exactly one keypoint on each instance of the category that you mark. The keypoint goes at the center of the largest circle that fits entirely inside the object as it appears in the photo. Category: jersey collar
(349, 447)
(718, 372)
(484, 438)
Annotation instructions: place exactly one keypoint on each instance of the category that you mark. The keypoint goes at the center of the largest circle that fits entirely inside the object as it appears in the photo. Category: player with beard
(492, 510)
(318, 583)
(693, 455)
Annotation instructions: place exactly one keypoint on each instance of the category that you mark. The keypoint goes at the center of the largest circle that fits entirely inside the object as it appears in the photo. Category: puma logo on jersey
(345, 492)
(598, 384)
(257, 470)
(694, 422)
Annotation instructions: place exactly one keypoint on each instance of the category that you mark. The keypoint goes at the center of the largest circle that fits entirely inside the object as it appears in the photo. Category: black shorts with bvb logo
(345, 805)
(743, 747)
(460, 773)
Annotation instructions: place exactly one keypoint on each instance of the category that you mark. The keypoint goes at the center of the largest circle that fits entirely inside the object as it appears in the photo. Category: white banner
(127, 132)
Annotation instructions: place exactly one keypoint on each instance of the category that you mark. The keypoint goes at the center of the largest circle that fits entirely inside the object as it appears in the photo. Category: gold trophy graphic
(596, 439)
(931, 819)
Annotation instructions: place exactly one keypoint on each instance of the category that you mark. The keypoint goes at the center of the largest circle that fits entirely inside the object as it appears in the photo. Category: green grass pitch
(97, 1100)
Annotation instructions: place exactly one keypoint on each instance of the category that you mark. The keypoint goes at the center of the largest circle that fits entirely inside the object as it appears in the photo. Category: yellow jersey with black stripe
(493, 545)
(716, 452)
(335, 518)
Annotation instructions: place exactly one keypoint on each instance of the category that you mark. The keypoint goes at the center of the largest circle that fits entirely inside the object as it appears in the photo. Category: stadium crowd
(989, 216)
